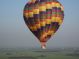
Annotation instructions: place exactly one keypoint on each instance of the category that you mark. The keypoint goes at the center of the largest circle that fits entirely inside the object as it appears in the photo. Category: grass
(29, 54)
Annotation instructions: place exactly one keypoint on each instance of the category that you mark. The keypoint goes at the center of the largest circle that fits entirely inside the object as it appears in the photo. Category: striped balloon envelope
(43, 18)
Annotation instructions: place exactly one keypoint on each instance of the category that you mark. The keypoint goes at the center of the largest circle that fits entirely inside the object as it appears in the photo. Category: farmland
(39, 53)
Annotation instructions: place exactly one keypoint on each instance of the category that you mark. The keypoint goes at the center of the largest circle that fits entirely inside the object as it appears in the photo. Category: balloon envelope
(43, 18)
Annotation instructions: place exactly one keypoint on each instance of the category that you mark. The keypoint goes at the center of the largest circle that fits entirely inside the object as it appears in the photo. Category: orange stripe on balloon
(48, 2)
(26, 11)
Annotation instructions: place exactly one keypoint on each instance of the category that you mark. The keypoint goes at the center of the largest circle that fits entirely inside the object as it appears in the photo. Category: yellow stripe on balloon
(38, 25)
(42, 8)
(48, 21)
(26, 15)
(62, 8)
(30, 14)
(35, 11)
(33, 28)
(42, 23)
(43, 36)
(50, 32)
(33, 1)
(53, 4)
(58, 5)
(60, 22)
(48, 6)
(58, 19)
(53, 19)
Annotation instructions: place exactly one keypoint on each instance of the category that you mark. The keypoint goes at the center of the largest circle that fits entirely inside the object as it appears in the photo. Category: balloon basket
(43, 45)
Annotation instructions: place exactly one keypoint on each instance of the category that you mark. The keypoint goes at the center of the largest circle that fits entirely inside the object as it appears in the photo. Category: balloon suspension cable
(43, 45)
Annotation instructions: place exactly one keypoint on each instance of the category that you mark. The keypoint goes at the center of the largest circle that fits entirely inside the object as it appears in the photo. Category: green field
(38, 54)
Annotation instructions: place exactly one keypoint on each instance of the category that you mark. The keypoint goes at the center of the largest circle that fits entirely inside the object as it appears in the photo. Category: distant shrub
(8, 53)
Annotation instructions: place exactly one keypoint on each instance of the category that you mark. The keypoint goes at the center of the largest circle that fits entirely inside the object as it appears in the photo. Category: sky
(14, 32)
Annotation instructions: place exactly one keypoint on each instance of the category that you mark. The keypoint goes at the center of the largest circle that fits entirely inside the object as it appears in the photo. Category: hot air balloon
(43, 18)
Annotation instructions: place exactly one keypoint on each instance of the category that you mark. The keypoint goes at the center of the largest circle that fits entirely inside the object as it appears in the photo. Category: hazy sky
(14, 32)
